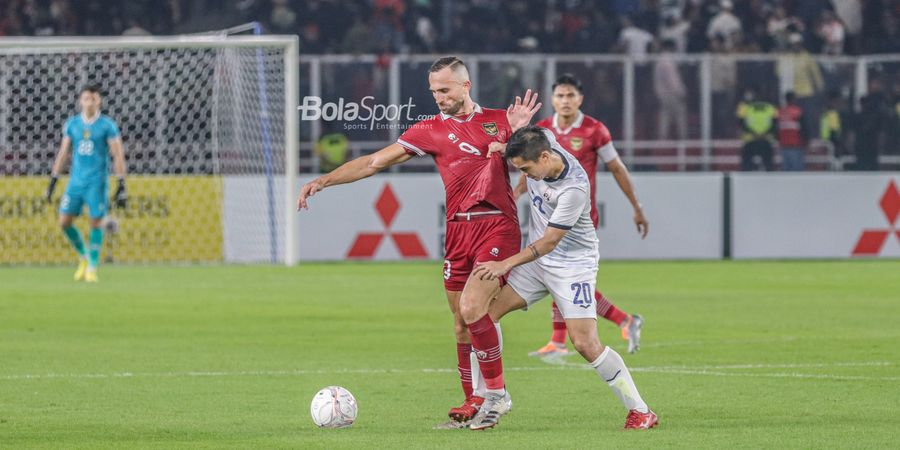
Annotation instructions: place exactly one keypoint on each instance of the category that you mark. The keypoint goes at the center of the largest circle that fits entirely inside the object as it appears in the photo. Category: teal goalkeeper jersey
(90, 147)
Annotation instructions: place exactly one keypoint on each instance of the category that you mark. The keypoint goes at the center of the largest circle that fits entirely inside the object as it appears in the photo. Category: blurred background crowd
(778, 47)
(489, 26)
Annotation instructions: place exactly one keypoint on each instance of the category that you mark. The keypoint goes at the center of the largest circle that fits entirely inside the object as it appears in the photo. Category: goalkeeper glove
(51, 187)
(121, 196)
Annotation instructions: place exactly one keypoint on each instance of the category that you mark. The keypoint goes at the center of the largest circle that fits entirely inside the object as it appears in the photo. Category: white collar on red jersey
(477, 110)
(576, 124)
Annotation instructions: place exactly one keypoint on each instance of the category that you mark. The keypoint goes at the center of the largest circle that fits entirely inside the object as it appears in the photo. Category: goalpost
(210, 128)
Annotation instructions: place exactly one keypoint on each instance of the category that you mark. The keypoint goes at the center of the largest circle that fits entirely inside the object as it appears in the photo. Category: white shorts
(573, 289)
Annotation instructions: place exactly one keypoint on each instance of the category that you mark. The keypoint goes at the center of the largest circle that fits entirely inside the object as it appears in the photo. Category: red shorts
(491, 238)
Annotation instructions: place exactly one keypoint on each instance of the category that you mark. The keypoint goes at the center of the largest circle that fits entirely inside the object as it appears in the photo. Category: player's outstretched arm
(61, 157)
(623, 179)
(118, 154)
(357, 169)
(492, 270)
(519, 114)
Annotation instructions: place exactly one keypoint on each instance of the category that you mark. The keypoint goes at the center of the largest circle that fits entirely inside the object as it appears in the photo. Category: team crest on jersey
(576, 143)
(87, 134)
(547, 194)
(495, 252)
(490, 128)
(452, 137)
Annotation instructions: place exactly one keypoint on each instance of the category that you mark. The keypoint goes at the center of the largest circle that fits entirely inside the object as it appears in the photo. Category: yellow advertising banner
(168, 219)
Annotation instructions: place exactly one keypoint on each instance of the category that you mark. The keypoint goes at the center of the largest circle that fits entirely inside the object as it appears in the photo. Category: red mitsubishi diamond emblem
(871, 241)
(366, 244)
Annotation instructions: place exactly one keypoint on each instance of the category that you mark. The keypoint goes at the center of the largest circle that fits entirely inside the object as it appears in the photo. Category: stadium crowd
(488, 26)
(824, 110)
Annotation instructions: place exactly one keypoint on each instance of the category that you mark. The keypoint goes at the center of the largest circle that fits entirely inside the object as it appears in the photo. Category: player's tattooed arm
(519, 114)
(357, 169)
(492, 270)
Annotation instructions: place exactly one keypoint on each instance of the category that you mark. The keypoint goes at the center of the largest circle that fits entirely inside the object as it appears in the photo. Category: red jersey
(585, 139)
(459, 146)
(789, 117)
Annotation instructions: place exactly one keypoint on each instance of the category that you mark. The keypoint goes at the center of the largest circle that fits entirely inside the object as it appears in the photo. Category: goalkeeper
(94, 137)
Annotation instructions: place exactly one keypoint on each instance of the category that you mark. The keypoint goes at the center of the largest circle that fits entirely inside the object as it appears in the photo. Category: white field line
(557, 366)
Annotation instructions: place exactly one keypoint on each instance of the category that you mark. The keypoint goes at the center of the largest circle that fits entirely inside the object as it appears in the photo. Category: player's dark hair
(448, 61)
(570, 80)
(790, 96)
(527, 143)
(92, 88)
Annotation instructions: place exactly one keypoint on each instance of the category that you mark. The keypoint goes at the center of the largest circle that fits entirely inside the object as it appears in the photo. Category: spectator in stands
(831, 31)
(757, 120)
(780, 28)
(801, 72)
(832, 124)
(850, 14)
(675, 29)
(671, 93)
(792, 135)
(872, 127)
(633, 40)
(726, 25)
(723, 83)
(332, 148)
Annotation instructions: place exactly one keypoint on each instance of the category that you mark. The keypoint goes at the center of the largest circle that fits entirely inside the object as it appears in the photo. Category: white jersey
(564, 203)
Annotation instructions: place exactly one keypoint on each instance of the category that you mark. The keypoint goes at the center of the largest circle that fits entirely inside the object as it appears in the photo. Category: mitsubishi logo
(871, 241)
(366, 244)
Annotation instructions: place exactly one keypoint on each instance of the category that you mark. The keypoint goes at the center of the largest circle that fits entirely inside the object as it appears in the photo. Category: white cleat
(494, 407)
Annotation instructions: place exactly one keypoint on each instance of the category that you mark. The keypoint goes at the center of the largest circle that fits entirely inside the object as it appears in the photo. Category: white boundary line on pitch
(714, 370)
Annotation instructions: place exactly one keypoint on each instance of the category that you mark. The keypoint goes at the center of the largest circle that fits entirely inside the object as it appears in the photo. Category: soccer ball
(333, 407)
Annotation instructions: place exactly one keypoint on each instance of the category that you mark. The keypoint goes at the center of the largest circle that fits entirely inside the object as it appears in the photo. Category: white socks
(611, 368)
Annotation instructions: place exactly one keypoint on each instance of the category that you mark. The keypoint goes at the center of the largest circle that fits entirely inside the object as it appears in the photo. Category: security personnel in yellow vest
(831, 123)
(332, 149)
(758, 121)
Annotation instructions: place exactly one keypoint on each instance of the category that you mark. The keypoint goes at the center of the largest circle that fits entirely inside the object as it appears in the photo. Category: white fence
(692, 216)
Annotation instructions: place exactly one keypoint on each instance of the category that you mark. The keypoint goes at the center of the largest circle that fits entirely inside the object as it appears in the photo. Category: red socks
(609, 311)
(465, 367)
(559, 327)
(486, 344)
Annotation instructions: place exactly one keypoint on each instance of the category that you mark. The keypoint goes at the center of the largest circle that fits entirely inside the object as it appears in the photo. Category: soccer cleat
(90, 275)
(635, 324)
(494, 407)
(82, 267)
(468, 409)
(637, 420)
(551, 349)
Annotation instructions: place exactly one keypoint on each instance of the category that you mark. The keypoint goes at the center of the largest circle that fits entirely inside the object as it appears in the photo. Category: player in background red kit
(587, 138)
(482, 223)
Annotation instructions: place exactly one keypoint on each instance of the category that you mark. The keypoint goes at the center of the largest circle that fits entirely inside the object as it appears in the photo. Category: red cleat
(637, 420)
(468, 409)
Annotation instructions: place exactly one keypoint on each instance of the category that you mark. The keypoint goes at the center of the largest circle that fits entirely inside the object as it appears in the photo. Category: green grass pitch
(735, 355)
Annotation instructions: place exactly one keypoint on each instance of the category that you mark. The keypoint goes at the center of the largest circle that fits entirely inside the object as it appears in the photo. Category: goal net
(205, 126)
